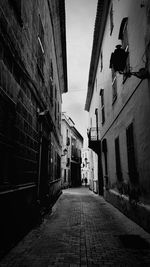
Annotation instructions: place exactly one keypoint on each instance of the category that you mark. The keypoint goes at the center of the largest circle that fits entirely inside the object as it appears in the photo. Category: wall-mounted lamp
(118, 63)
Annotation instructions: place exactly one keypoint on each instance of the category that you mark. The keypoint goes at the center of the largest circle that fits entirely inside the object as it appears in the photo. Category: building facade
(89, 169)
(118, 97)
(33, 75)
(85, 167)
(76, 147)
(66, 151)
(72, 143)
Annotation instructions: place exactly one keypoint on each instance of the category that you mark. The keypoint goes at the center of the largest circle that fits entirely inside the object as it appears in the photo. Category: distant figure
(85, 180)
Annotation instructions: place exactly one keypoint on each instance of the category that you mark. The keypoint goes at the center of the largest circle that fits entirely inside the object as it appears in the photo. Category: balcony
(94, 139)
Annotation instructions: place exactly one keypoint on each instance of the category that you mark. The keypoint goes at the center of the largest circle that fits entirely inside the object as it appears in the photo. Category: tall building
(89, 169)
(33, 76)
(118, 103)
(72, 143)
(66, 150)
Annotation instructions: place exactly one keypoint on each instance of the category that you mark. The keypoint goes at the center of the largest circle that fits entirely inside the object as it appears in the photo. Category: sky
(80, 20)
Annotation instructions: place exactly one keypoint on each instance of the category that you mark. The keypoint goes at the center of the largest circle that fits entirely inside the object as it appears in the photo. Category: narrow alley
(83, 230)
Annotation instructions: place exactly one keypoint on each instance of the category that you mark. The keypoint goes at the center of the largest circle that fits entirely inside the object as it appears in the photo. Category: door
(43, 187)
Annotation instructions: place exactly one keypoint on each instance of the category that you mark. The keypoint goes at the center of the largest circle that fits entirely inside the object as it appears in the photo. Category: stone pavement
(83, 230)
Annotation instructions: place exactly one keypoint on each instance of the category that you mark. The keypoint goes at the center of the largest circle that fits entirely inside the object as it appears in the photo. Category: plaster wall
(133, 97)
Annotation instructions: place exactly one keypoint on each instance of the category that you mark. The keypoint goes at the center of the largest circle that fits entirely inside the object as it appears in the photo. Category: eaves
(63, 40)
(100, 23)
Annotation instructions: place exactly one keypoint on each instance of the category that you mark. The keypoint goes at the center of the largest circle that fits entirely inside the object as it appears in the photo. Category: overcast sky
(80, 20)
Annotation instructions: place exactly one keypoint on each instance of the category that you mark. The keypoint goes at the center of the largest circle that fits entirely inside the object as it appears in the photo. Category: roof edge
(100, 22)
(63, 39)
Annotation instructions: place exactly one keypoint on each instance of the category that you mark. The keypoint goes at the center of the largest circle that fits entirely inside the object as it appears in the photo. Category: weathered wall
(30, 110)
(132, 105)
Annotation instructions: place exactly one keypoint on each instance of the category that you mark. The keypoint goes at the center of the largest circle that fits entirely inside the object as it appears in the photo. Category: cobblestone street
(83, 230)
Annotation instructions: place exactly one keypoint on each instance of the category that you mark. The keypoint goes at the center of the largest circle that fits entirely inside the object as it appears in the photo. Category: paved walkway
(83, 230)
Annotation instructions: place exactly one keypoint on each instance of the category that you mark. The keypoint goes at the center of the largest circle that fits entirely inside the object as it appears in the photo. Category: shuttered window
(131, 153)
(118, 161)
(102, 105)
(114, 85)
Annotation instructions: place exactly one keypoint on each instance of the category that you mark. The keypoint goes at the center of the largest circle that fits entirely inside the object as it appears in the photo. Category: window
(55, 103)
(40, 56)
(16, 5)
(51, 71)
(102, 105)
(91, 122)
(101, 61)
(123, 36)
(73, 148)
(51, 92)
(118, 161)
(104, 150)
(96, 84)
(51, 83)
(114, 85)
(58, 114)
(68, 162)
(131, 153)
(55, 110)
(58, 166)
(67, 138)
(55, 92)
(111, 20)
(64, 175)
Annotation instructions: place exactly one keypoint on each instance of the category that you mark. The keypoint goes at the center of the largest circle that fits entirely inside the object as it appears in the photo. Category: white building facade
(72, 143)
(118, 96)
(89, 169)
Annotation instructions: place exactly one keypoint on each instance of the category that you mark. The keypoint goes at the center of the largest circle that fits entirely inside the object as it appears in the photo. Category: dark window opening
(68, 162)
(101, 61)
(55, 92)
(51, 83)
(58, 114)
(40, 53)
(16, 5)
(102, 105)
(131, 154)
(55, 110)
(111, 20)
(64, 175)
(118, 161)
(58, 166)
(104, 150)
(51, 71)
(114, 85)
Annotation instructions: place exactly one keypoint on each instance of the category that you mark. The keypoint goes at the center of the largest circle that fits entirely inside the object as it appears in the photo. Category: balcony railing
(94, 139)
